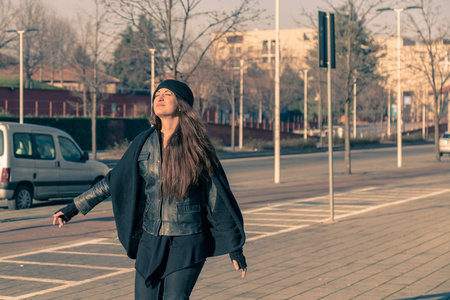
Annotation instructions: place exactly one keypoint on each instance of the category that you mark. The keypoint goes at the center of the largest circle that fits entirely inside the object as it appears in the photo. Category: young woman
(172, 203)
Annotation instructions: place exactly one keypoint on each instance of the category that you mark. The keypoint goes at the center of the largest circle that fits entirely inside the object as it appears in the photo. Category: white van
(41, 162)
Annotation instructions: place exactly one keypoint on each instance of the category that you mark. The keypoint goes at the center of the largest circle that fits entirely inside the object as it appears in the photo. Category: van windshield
(2, 144)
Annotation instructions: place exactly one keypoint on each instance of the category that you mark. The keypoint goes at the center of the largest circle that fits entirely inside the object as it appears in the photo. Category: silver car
(444, 143)
(41, 162)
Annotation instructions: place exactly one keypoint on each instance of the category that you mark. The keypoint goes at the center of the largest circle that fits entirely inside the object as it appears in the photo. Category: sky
(290, 10)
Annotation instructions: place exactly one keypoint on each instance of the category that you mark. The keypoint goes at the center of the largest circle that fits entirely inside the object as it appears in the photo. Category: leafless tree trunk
(86, 61)
(432, 30)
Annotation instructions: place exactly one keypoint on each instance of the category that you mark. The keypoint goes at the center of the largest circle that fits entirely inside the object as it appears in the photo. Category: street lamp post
(389, 113)
(305, 108)
(152, 90)
(241, 105)
(21, 32)
(276, 128)
(354, 107)
(399, 96)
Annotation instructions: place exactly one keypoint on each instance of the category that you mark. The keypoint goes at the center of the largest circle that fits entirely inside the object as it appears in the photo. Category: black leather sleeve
(89, 199)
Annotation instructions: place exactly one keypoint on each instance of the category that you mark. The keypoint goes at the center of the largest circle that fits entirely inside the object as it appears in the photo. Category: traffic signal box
(323, 40)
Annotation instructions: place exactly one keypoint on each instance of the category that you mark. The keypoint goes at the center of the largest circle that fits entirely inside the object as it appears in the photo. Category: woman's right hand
(65, 214)
(59, 218)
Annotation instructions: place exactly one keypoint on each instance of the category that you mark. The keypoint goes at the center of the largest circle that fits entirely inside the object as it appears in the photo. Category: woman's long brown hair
(189, 156)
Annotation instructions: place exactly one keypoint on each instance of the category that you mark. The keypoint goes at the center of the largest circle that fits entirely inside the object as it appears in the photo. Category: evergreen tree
(132, 57)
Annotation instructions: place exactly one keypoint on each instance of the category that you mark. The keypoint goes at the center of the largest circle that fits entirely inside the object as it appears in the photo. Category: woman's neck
(168, 127)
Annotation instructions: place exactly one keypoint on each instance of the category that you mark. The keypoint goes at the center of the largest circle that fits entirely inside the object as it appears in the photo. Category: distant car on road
(444, 143)
(41, 162)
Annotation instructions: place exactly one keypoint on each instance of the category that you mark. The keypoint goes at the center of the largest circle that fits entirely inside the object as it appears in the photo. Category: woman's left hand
(236, 266)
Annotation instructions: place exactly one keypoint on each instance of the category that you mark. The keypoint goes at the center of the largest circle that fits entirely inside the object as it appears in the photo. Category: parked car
(41, 162)
(444, 143)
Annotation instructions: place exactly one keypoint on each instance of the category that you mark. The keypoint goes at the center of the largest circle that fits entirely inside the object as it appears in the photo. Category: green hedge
(109, 131)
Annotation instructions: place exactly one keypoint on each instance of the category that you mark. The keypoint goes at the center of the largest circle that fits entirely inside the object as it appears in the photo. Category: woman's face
(165, 104)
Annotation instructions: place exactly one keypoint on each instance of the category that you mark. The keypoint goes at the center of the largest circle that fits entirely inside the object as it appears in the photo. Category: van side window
(45, 147)
(69, 151)
(22, 145)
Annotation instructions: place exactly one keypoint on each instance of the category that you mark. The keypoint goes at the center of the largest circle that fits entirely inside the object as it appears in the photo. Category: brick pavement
(396, 252)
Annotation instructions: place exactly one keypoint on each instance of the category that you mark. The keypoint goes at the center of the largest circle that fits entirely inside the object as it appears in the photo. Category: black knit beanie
(180, 89)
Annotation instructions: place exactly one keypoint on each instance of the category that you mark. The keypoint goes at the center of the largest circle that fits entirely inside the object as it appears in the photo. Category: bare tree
(185, 25)
(355, 57)
(203, 84)
(92, 47)
(432, 31)
(6, 13)
(31, 14)
(59, 42)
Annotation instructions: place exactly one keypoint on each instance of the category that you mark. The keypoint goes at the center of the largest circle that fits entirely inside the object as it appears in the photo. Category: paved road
(389, 240)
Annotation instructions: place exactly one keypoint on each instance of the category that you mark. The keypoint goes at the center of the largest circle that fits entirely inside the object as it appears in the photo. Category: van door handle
(57, 164)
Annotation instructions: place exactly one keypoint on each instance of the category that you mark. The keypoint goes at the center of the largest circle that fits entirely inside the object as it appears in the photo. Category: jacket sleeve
(89, 199)
(226, 228)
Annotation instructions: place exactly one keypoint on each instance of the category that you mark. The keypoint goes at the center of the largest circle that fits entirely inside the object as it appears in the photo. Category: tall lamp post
(399, 96)
(241, 104)
(276, 128)
(152, 90)
(354, 106)
(21, 32)
(305, 108)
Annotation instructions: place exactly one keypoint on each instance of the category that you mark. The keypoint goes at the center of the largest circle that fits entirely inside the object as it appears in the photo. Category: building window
(233, 39)
(265, 46)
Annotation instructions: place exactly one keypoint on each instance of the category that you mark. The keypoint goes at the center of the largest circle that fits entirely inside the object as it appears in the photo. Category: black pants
(175, 286)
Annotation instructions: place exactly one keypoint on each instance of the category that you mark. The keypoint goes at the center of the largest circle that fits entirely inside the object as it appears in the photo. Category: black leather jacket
(171, 217)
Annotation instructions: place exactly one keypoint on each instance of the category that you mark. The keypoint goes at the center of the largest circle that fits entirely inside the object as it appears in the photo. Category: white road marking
(267, 225)
(54, 248)
(63, 283)
(37, 279)
(383, 198)
(281, 213)
(392, 203)
(26, 262)
(65, 286)
(89, 253)
(276, 220)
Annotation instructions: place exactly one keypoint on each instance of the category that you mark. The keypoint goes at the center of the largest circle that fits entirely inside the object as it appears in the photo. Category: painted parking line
(20, 260)
(300, 213)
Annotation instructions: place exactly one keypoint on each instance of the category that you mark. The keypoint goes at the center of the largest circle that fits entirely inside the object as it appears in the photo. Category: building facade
(416, 89)
(258, 46)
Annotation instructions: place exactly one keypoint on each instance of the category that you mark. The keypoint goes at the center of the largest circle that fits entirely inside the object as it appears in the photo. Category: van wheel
(22, 200)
